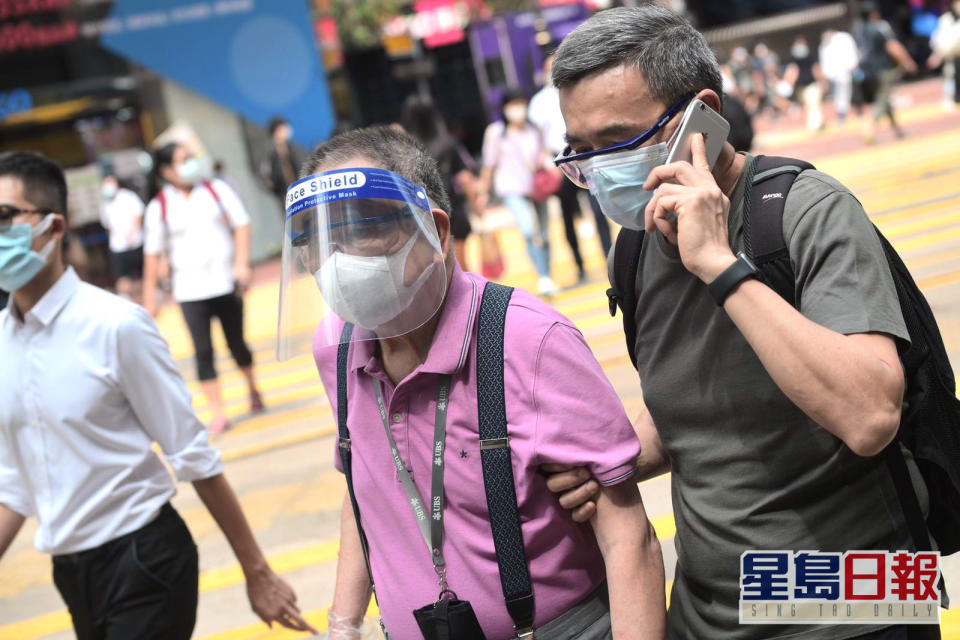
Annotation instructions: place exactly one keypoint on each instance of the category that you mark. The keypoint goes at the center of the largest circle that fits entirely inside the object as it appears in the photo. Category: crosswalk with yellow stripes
(911, 188)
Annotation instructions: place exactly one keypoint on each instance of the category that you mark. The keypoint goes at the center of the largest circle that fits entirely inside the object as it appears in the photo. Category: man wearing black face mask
(772, 444)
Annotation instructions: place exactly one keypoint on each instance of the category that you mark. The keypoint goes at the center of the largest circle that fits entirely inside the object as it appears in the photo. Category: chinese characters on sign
(856, 587)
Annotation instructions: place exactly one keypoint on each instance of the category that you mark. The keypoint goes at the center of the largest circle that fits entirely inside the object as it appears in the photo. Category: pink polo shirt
(560, 408)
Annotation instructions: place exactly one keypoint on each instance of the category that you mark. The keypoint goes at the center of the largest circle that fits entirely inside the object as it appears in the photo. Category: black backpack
(930, 420)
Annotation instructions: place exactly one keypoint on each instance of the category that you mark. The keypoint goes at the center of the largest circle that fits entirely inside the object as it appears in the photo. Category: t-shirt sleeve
(153, 230)
(843, 281)
(232, 205)
(580, 420)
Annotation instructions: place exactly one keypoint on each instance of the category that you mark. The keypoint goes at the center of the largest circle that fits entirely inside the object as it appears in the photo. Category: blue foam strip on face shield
(353, 184)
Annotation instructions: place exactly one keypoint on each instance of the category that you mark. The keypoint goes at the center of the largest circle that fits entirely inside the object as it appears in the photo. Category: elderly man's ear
(442, 220)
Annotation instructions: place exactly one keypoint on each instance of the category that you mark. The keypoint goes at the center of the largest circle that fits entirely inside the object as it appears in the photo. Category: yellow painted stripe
(38, 627)
(927, 240)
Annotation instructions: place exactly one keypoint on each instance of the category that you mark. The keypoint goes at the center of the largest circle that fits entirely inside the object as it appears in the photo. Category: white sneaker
(546, 287)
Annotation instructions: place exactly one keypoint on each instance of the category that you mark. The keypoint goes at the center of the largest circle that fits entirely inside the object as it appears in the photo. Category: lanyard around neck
(433, 531)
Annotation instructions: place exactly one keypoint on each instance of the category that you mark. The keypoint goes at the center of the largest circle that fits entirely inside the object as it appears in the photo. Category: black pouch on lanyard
(449, 619)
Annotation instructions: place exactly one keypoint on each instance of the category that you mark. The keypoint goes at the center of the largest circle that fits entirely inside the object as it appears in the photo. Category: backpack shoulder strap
(216, 196)
(496, 461)
(769, 180)
(623, 293)
(162, 199)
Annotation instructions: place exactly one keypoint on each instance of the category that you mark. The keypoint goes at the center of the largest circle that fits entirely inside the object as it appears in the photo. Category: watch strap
(726, 282)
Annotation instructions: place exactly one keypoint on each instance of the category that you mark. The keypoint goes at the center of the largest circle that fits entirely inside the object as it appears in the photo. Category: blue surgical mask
(19, 263)
(616, 181)
(189, 170)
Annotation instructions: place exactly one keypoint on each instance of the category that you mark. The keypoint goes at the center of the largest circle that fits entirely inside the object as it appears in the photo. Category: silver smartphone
(699, 118)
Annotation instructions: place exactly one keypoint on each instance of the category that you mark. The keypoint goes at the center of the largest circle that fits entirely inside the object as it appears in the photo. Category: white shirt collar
(53, 300)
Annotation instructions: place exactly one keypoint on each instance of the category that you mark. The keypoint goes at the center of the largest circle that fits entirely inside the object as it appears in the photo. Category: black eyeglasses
(8, 212)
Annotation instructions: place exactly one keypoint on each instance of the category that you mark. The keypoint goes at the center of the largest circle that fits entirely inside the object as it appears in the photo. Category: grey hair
(673, 57)
(386, 148)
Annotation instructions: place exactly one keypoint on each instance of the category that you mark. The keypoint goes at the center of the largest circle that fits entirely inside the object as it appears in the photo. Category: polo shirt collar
(451, 342)
(55, 298)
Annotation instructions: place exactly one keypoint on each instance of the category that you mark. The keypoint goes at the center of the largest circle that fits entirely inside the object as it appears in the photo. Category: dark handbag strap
(495, 457)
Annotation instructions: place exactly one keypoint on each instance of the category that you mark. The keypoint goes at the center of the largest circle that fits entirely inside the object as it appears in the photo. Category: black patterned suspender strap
(495, 458)
(346, 457)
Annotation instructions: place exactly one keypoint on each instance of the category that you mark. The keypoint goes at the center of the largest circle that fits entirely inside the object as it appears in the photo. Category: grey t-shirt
(750, 469)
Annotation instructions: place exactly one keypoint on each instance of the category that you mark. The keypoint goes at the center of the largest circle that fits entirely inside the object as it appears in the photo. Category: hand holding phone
(699, 118)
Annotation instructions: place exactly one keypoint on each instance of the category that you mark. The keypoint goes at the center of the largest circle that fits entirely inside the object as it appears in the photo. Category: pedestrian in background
(945, 43)
(121, 214)
(839, 60)
(423, 121)
(805, 76)
(513, 151)
(881, 58)
(282, 160)
(545, 113)
(87, 384)
(203, 229)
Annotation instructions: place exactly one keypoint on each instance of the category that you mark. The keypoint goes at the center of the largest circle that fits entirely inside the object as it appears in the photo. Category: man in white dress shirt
(86, 385)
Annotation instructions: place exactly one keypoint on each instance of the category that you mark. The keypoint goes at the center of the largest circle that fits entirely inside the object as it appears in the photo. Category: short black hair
(275, 123)
(44, 185)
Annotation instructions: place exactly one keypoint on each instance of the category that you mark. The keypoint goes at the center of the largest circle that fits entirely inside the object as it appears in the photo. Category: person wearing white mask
(87, 385)
(513, 151)
(203, 229)
(122, 216)
(419, 358)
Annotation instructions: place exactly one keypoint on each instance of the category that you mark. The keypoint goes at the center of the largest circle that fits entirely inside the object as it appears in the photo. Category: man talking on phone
(769, 416)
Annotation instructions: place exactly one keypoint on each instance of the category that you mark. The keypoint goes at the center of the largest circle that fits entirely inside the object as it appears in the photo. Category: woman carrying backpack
(203, 229)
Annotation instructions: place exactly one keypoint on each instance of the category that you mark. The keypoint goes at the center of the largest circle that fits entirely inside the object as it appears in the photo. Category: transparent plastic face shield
(360, 246)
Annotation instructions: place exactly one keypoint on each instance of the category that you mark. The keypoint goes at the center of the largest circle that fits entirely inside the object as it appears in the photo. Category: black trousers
(570, 208)
(229, 310)
(904, 632)
(141, 585)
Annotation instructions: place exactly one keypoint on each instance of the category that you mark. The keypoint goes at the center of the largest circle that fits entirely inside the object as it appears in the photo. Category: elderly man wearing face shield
(403, 340)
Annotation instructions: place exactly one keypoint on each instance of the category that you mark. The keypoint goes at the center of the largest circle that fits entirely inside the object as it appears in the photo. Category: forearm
(220, 500)
(836, 380)
(10, 524)
(241, 242)
(150, 275)
(899, 53)
(486, 178)
(351, 595)
(634, 564)
(653, 459)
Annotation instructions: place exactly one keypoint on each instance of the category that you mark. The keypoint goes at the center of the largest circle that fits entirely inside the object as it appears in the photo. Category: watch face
(744, 258)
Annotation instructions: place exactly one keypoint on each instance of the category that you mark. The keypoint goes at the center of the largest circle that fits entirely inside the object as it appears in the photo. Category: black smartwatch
(733, 275)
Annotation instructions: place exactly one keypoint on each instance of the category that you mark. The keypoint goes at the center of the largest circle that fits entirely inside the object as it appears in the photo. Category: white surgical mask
(368, 291)
(515, 113)
(108, 192)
